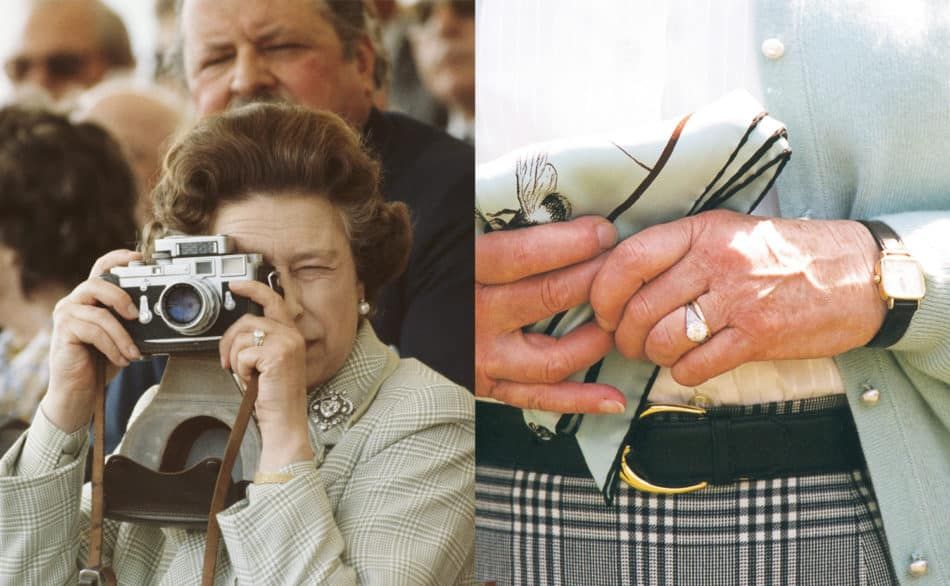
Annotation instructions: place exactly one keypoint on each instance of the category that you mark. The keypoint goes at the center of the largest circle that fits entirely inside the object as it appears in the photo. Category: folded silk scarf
(725, 155)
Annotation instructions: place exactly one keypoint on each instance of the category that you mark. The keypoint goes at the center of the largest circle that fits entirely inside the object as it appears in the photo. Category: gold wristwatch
(900, 281)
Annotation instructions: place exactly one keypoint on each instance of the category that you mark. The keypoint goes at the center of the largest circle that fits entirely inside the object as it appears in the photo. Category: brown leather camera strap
(213, 534)
(95, 574)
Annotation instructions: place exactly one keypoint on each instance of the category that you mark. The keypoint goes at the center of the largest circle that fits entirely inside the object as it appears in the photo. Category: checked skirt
(534, 528)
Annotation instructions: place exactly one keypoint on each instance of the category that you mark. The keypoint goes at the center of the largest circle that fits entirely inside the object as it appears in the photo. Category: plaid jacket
(390, 503)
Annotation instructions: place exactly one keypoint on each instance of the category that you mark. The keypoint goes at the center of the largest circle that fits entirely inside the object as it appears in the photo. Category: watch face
(901, 278)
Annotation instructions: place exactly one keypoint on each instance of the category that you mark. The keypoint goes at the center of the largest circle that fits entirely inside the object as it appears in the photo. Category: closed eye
(219, 59)
(283, 47)
(312, 272)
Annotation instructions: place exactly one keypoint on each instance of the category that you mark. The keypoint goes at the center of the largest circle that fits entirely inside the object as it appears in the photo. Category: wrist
(283, 446)
(65, 411)
(871, 254)
(900, 283)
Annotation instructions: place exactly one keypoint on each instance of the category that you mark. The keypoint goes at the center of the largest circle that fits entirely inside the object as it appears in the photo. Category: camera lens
(189, 307)
(182, 304)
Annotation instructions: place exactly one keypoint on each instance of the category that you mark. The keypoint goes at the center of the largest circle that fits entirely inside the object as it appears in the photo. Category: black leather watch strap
(895, 324)
(886, 238)
(898, 316)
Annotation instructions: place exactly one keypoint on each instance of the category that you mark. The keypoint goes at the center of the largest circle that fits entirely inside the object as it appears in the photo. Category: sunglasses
(423, 10)
(61, 66)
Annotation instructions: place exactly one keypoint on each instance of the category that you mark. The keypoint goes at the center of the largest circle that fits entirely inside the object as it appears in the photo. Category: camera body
(184, 300)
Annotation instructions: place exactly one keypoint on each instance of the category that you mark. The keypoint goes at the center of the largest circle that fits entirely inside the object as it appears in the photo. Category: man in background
(62, 46)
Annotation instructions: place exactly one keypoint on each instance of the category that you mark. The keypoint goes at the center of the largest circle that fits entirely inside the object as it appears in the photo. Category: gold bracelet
(272, 477)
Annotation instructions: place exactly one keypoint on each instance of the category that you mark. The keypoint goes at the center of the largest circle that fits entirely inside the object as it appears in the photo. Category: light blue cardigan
(865, 93)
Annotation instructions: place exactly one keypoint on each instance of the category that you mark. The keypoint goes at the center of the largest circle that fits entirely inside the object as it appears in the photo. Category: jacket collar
(369, 364)
(376, 131)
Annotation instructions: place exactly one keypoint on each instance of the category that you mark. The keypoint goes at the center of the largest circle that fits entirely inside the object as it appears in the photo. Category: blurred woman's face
(303, 237)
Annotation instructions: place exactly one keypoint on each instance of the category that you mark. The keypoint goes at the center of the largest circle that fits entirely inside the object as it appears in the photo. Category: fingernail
(604, 324)
(134, 352)
(132, 309)
(606, 235)
(612, 407)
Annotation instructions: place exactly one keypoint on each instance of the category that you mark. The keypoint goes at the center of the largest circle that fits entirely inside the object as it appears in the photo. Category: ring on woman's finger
(697, 330)
(258, 336)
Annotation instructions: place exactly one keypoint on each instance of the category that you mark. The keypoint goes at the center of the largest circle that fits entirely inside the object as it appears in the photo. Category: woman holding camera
(382, 496)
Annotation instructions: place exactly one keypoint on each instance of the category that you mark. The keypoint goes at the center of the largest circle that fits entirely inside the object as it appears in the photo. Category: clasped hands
(769, 289)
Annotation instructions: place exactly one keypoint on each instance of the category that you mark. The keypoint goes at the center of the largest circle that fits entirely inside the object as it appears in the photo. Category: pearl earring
(364, 307)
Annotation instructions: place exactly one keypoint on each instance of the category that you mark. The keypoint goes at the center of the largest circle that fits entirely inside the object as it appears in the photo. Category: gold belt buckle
(630, 477)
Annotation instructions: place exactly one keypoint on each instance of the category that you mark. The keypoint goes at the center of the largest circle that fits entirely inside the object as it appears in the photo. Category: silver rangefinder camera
(184, 300)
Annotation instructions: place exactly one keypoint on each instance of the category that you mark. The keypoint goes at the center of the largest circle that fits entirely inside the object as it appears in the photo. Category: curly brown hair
(67, 195)
(278, 149)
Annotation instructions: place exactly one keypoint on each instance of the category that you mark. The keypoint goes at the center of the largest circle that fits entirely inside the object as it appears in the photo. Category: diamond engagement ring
(697, 330)
(258, 336)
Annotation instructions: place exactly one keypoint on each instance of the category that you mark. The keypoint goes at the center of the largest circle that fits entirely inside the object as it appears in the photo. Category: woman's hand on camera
(280, 360)
(83, 328)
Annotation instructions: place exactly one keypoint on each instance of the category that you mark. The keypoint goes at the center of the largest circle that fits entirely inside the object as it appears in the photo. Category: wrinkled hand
(769, 289)
(280, 361)
(527, 275)
(82, 330)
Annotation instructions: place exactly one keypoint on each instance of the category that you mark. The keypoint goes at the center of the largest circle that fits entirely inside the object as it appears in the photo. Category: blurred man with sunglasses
(66, 45)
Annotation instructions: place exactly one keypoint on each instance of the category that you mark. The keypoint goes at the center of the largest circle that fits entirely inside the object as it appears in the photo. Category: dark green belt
(720, 446)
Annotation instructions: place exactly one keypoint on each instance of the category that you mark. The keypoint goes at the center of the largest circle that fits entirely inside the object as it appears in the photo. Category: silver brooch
(330, 409)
